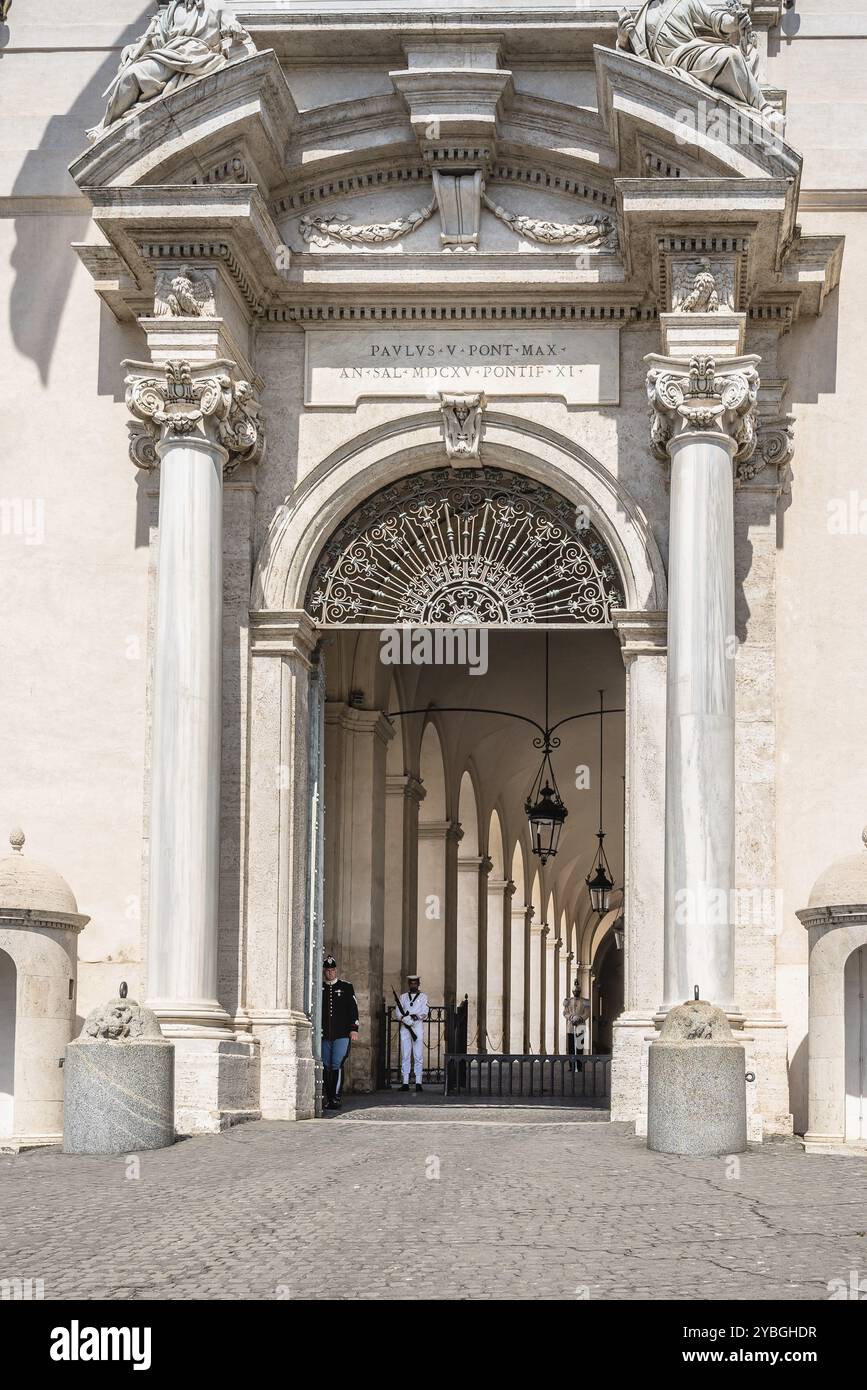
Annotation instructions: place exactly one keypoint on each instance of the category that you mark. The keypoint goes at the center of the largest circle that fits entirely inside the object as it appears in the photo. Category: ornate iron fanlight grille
(442, 549)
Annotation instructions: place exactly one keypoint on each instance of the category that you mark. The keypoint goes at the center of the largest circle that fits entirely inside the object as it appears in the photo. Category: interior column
(517, 991)
(643, 643)
(498, 921)
(468, 929)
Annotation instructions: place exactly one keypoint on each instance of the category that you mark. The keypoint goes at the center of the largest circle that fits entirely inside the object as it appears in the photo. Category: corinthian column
(703, 422)
(198, 424)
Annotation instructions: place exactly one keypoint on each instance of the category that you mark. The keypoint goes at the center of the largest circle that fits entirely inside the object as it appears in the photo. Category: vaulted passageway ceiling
(500, 749)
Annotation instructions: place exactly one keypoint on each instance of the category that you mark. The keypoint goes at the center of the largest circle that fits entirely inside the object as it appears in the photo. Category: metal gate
(444, 1031)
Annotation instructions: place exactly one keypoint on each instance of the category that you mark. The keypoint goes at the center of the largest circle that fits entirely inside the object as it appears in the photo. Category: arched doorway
(8, 1011)
(327, 526)
(431, 747)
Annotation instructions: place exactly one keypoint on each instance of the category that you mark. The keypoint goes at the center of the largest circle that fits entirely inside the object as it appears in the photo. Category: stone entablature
(642, 242)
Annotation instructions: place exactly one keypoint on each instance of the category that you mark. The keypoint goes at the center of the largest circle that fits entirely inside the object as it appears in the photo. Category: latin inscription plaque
(580, 365)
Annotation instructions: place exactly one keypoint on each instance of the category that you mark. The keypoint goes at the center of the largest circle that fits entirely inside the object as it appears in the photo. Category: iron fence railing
(522, 1074)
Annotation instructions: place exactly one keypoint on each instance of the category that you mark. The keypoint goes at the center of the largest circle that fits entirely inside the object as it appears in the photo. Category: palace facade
(353, 317)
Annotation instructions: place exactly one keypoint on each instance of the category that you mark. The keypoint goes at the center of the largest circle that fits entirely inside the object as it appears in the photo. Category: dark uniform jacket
(339, 1010)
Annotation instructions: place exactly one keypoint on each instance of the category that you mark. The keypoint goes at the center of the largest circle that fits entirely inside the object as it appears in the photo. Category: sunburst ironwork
(440, 549)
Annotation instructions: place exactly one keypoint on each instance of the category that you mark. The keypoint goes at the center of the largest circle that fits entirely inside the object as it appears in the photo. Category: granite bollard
(696, 1084)
(119, 1082)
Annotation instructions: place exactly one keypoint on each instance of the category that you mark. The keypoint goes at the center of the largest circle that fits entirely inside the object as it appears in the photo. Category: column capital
(486, 864)
(359, 721)
(292, 633)
(406, 785)
(415, 789)
(436, 830)
(775, 446)
(184, 403)
(455, 832)
(703, 397)
(510, 888)
(642, 632)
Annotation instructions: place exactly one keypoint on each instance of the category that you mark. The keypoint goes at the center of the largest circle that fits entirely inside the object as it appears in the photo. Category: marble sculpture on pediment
(712, 41)
(186, 40)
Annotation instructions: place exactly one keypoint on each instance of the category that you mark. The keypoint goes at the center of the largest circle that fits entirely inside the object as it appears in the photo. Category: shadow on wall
(808, 358)
(789, 26)
(808, 355)
(798, 1082)
(43, 260)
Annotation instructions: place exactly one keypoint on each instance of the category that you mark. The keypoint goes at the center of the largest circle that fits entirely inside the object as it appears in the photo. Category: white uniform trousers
(411, 1053)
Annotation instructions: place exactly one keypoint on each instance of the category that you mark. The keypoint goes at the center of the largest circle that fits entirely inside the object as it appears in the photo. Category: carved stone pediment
(241, 112)
(224, 174)
(185, 41)
(640, 101)
(712, 47)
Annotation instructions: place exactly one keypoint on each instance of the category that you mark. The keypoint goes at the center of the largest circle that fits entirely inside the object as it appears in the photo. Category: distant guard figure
(575, 1011)
(413, 1008)
(339, 1029)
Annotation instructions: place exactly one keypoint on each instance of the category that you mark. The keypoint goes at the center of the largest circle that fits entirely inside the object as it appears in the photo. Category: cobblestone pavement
(516, 1203)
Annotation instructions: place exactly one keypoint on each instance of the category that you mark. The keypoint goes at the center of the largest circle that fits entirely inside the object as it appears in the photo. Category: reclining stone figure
(712, 41)
(186, 40)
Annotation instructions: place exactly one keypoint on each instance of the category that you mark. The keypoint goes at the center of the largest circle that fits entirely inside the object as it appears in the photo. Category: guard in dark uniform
(339, 1029)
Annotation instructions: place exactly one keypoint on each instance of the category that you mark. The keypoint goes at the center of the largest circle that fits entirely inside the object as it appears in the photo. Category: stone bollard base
(119, 1082)
(118, 1096)
(696, 1085)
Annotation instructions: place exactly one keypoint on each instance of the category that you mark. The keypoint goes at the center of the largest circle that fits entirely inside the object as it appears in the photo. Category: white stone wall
(821, 763)
(74, 578)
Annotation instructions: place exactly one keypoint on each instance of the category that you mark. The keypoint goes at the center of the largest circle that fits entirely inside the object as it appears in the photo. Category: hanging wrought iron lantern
(545, 812)
(544, 806)
(600, 883)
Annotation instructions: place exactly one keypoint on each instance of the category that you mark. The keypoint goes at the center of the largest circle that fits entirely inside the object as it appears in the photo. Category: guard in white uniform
(413, 1011)
(575, 1012)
